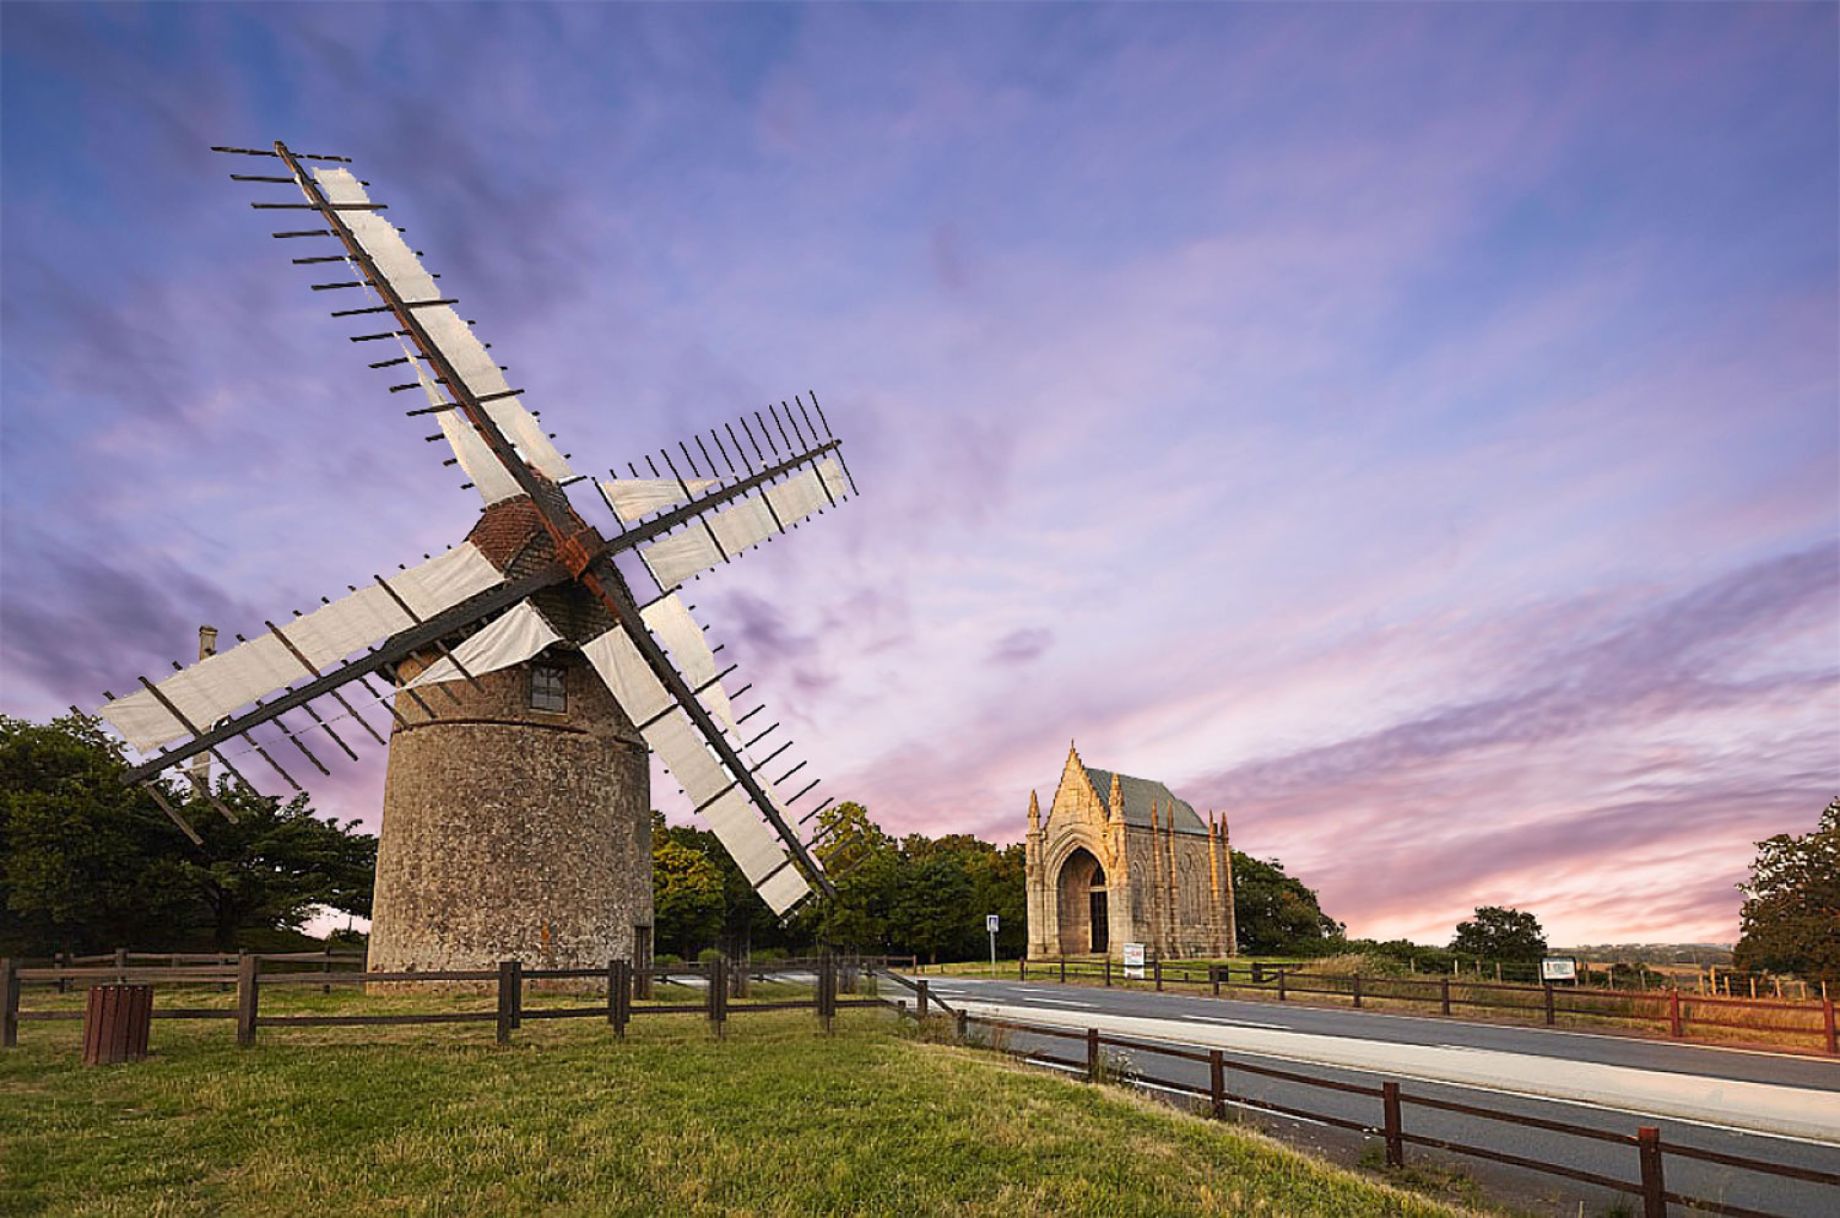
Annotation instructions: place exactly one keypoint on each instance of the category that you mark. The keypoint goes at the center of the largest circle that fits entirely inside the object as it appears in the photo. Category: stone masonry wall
(510, 832)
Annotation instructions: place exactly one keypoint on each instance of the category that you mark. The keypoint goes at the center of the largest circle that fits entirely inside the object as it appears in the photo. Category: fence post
(827, 991)
(1214, 978)
(248, 999)
(1395, 1129)
(963, 1021)
(1022, 968)
(1654, 1186)
(618, 975)
(9, 1004)
(1357, 991)
(1548, 987)
(1063, 970)
(718, 994)
(1444, 985)
(62, 961)
(508, 985)
(1827, 1018)
(1217, 1083)
(1108, 972)
(920, 1001)
(1280, 985)
(121, 966)
(326, 967)
(1092, 1055)
(1674, 1028)
(1156, 966)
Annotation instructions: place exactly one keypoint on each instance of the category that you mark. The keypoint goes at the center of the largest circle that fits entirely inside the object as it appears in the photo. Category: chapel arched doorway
(1084, 921)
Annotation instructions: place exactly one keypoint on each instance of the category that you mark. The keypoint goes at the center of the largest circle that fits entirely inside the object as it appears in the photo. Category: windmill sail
(483, 378)
(636, 498)
(655, 660)
(750, 840)
(743, 524)
(518, 635)
(216, 686)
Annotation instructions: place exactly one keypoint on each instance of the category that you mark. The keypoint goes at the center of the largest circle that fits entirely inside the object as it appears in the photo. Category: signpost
(990, 924)
(1134, 960)
(1559, 968)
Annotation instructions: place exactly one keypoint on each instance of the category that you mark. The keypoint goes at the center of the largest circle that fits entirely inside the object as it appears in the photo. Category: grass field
(774, 1119)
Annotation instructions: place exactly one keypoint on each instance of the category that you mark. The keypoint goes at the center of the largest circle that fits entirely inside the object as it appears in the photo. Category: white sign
(1134, 960)
(1559, 968)
(990, 923)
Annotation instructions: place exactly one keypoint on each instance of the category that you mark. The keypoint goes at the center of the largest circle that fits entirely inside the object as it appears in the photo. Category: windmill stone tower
(517, 824)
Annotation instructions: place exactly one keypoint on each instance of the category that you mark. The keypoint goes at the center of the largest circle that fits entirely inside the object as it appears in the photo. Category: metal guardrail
(1679, 1013)
(1651, 1151)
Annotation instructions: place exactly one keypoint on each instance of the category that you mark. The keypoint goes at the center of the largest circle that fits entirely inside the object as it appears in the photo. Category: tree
(1275, 912)
(867, 869)
(746, 922)
(1790, 921)
(1497, 933)
(274, 865)
(87, 863)
(687, 902)
(933, 906)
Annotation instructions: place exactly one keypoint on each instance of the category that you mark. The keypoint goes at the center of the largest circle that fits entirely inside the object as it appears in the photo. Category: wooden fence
(1651, 1151)
(1680, 1013)
(722, 982)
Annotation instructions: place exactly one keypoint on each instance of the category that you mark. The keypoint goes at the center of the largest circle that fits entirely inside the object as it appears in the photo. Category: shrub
(1349, 963)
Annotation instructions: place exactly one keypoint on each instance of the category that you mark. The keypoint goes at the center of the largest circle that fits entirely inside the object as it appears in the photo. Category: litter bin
(116, 1021)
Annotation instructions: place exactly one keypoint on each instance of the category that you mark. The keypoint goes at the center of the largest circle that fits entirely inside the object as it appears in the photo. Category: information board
(1134, 960)
(1558, 968)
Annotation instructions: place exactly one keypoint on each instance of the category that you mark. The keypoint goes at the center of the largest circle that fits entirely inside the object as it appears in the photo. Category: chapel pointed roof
(1139, 794)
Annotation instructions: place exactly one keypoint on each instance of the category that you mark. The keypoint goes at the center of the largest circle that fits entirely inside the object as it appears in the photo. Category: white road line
(1224, 1022)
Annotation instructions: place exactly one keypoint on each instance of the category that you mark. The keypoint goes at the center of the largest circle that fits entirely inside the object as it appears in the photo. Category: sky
(1413, 432)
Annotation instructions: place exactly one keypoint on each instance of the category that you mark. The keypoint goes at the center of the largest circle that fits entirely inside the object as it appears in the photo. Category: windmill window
(549, 688)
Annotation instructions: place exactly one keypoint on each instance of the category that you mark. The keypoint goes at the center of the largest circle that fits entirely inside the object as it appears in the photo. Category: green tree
(87, 863)
(1790, 921)
(1497, 933)
(272, 866)
(867, 869)
(1276, 913)
(933, 907)
(687, 904)
(746, 922)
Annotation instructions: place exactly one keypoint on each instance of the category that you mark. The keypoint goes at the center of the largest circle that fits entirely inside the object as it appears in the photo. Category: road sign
(990, 923)
(1558, 968)
(1134, 960)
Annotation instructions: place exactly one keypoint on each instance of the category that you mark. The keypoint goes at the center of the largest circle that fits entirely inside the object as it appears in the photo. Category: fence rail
(1680, 1013)
(1652, 1152)
(721, 980)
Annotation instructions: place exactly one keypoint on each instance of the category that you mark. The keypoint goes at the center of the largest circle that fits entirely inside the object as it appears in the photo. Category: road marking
(1224, 1022)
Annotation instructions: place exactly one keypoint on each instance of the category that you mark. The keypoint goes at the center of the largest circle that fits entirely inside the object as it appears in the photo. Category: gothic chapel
(1120, 859)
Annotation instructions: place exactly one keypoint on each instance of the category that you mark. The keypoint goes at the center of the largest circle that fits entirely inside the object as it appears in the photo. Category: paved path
(1778, 1107)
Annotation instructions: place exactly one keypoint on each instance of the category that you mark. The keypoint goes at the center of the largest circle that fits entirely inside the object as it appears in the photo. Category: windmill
(524, 676)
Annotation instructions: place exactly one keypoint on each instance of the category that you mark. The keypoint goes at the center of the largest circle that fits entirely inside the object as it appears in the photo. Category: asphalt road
(1533, 1055)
